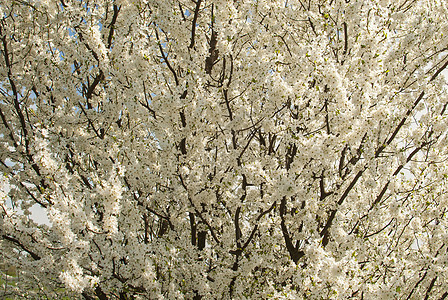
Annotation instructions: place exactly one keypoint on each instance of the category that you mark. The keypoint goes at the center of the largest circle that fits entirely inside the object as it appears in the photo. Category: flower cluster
(224, 149)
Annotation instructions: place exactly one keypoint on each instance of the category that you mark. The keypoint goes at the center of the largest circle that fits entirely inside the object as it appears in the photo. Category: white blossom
(224, 149)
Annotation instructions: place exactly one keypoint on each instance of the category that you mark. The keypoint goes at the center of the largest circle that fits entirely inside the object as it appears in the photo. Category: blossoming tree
(225, 149)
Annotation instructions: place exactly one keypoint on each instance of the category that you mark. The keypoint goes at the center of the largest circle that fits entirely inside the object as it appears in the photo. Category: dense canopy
(292, 149)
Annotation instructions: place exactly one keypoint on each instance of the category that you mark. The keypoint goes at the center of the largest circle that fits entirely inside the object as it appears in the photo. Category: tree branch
(193, 25)
(22, 246)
